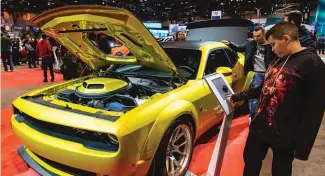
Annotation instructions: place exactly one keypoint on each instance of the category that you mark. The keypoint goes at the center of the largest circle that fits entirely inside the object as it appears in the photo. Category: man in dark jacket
(291, 105)
(295, 17)
(6, 47)
(258, 55)
(44, 50)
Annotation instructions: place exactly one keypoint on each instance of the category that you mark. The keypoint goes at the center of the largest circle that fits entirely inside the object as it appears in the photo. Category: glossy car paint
(140, 130)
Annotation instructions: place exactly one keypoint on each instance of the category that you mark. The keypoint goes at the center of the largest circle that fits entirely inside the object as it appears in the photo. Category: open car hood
(69, 25)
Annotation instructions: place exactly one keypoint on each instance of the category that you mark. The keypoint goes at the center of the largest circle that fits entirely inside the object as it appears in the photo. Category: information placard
(222, 90)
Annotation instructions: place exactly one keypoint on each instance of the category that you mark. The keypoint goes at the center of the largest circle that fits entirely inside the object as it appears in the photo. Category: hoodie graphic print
(279, 80)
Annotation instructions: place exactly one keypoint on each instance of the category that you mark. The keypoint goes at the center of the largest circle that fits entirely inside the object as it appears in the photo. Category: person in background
(33, 43)
(258, 55)
(6, 47)
(295, 17)
(31, 54)
(291, 106)
(44, 50)
(180, 36)
(321, 44)
(69, 68)
(16, 51)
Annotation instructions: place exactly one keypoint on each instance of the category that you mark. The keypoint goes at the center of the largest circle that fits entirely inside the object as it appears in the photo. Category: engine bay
(113, 94)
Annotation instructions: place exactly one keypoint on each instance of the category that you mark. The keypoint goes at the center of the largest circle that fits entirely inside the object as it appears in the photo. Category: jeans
(7, 59)
(32, 56)
(255, 152)
(47, 62)
(321, 49)
(257, 81)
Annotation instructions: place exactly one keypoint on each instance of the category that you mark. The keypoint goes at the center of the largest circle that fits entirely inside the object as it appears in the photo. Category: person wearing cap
(44, 50)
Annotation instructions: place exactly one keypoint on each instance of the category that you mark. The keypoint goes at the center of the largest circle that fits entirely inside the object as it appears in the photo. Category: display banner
(153, 25)
(216, 15)
(320, 18)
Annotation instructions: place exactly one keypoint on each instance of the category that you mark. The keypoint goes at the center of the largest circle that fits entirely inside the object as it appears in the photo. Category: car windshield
(187, 62)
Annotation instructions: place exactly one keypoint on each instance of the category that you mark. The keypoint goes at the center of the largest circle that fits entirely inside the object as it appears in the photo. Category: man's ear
(287, 38)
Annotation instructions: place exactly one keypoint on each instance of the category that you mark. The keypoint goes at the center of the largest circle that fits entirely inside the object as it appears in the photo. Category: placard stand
(220, 146)
(221, 89)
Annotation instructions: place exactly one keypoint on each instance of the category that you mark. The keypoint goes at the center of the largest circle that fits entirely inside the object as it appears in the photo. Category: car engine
(112, 94)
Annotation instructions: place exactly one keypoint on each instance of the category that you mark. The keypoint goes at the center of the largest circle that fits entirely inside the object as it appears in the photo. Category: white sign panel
(222, 90)
(216, 15)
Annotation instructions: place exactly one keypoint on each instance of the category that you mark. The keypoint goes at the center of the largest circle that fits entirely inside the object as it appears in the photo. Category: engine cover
(101, 87)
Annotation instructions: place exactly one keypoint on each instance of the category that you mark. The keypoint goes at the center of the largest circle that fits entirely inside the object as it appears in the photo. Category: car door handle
(235, 75)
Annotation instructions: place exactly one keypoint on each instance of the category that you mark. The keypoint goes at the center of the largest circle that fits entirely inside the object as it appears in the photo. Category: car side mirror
(226, 71)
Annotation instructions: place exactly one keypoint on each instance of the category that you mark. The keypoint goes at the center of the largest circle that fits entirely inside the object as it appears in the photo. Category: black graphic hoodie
(292, 102)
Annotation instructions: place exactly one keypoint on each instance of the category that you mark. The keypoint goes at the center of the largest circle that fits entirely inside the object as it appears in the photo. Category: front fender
(167, 116)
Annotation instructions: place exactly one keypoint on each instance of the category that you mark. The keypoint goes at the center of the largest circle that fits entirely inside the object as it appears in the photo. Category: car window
(233, 57)
(187, 62)
(217, 58)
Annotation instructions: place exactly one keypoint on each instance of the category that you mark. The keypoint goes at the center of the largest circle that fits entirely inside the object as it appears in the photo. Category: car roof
(195, 45)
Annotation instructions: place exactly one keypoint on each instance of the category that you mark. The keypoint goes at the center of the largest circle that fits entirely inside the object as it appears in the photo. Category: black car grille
(89, 139)
(65, 168)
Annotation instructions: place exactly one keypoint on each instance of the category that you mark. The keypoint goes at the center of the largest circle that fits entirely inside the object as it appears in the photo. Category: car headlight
(113, 139)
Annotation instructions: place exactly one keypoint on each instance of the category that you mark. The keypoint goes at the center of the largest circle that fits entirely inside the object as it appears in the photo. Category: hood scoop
(101, 87)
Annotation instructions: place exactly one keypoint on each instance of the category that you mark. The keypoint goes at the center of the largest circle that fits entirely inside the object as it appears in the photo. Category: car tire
(165, 150)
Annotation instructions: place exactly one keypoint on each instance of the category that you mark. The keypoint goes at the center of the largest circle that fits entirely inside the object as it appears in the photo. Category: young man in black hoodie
(291, 106)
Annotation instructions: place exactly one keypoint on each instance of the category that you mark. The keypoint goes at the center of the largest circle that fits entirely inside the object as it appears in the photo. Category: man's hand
(233, 104)
(225, 42)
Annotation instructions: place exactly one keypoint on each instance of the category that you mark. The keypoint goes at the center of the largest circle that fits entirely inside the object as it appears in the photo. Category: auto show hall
(23, 80)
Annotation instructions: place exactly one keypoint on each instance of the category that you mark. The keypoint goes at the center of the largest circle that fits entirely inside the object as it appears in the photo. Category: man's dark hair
(44, 36)
(259, 28)
(281, 29)
(294, 16)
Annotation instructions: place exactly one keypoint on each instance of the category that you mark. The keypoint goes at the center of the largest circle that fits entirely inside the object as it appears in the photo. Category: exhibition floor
(23, 80)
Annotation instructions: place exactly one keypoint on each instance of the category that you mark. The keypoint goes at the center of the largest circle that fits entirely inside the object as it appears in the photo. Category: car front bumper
(72, 154)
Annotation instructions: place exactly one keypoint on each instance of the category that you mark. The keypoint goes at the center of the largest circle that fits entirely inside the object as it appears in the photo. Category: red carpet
(233, 156)
(12, 164)
(26, 77)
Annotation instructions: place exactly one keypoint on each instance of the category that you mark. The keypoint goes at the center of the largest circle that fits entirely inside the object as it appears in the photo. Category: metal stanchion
(220, 146)
(222, 90)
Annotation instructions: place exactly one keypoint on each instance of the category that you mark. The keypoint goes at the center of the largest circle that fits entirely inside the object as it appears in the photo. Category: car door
(216, 58)
(237, 71)
(238, 77)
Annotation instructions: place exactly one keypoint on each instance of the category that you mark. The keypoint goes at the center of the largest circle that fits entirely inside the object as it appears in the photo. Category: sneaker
(45, 80)
(52, 79)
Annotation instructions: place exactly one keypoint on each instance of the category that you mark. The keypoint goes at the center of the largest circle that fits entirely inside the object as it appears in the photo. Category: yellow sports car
(140, 116)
